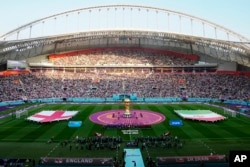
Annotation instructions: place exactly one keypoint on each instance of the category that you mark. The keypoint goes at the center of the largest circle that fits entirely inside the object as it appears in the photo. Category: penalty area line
(51, 151)
(207, 147)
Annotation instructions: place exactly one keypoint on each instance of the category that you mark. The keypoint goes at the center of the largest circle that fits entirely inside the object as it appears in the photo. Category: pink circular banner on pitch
(138, 117)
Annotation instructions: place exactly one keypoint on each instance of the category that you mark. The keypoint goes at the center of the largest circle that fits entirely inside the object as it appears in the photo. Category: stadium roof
(202, 37)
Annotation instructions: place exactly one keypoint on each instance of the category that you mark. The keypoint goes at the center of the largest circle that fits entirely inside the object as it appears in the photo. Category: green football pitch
(20, 138)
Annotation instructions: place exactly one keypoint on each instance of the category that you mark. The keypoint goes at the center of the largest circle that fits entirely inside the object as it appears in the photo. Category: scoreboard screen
(16, 65)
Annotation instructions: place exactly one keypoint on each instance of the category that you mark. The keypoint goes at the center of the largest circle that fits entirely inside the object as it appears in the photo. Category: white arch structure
(129, 20)
(135, 11)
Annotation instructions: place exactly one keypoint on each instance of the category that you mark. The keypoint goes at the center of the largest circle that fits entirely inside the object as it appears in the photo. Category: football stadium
(123, 92)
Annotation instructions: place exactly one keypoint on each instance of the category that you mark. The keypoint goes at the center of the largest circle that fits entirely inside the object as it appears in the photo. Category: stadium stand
(62, 84)
(122, 57)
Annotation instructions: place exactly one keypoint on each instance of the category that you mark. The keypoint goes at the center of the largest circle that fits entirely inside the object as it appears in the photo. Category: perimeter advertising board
(175, 122)
(76, 161)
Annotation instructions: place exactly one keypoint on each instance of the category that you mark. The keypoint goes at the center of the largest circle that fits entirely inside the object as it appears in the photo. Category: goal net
(229, 112)
(21, 113)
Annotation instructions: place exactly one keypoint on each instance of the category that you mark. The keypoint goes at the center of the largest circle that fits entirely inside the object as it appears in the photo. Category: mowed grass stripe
(237, 132)
(25, 150)
(136, 106)
(12, 128)
(67, 133)
(22, 131)
(158, 129)
(32, 135)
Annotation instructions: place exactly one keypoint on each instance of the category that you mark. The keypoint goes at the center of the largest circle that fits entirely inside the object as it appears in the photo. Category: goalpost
(21, 113)
(229, 112)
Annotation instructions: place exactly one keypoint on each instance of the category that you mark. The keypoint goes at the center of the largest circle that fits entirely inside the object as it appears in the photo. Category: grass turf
(22, 139)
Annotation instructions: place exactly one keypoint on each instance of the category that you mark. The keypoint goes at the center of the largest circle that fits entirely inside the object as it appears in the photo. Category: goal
(229, 112)
(21, 113)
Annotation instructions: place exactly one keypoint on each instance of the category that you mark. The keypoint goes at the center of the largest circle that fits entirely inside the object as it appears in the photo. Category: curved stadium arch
(219, 54)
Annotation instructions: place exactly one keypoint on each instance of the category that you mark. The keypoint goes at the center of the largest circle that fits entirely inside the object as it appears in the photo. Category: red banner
(87, 51)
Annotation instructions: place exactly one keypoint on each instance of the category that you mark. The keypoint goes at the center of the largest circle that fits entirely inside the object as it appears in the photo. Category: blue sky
(232, 14)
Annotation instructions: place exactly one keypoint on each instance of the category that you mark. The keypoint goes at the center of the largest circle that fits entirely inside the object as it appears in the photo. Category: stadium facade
(214, 48)
(146, 27)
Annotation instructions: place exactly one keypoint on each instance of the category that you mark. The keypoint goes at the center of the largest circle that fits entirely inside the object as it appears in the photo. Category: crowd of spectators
(104, 82)
(61, 84)
(122, 57)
